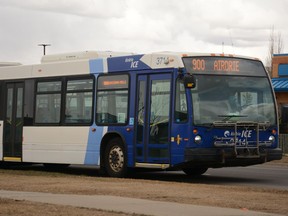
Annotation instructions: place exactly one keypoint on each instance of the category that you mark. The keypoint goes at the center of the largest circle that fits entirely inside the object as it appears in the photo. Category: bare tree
(276, 46)
(280, 45)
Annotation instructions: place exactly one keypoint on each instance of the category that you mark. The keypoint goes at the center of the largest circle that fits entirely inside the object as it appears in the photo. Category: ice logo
(226, 133)
(244, 133)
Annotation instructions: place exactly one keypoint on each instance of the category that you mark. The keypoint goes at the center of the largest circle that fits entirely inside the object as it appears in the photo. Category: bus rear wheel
(196, 171)
(115, 164)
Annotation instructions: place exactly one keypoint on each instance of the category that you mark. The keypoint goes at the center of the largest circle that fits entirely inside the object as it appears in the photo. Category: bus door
(13, 122)
(153, 120)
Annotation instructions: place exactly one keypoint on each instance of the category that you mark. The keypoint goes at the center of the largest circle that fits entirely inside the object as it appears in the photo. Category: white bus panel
(66, 145)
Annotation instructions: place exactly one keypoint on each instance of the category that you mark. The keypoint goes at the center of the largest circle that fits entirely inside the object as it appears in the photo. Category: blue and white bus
(170, 111)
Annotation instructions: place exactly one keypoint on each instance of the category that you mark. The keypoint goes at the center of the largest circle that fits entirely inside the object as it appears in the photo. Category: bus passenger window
(180, 114)
(79, 100)
(112, 99)
(48, 102)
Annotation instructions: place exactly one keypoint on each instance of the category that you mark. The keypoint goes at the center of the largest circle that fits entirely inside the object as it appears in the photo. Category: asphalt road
(263, 176)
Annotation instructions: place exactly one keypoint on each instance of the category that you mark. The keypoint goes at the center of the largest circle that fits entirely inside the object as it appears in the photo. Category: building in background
(280, 84)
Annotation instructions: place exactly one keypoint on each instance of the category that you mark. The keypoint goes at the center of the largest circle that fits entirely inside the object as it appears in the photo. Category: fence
(283, 143)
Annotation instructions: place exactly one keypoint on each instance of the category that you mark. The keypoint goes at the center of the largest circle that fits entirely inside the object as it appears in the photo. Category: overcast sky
(140, 26)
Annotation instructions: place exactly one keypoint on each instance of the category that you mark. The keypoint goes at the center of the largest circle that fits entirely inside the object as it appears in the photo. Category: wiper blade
(228, 117)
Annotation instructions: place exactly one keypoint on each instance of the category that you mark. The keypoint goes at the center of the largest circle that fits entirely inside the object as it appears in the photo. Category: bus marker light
(128, 129)
(195, 131)
(178, 139)
(274, 132)
(93, 129)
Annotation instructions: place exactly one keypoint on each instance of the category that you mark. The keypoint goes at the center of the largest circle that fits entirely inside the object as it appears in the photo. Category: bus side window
(29, 102)
(48, 102)
(79, 101)
(112, 99)
(180, 114)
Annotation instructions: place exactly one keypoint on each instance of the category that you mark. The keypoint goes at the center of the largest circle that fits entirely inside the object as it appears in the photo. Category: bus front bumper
(222, 157)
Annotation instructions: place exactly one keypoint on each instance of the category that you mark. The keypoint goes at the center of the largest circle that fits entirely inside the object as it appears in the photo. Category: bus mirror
(189, 81)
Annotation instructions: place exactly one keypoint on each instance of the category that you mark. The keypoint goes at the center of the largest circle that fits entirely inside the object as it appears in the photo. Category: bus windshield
(232, 98)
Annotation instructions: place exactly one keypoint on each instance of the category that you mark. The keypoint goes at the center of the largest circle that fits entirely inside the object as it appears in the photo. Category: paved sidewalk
(127, 205)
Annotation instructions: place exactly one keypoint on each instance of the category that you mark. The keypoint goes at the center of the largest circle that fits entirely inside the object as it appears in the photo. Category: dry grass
(194, 192)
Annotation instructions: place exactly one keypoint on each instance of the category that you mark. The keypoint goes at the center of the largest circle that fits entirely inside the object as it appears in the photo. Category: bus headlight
(198, 139)
(272, 139)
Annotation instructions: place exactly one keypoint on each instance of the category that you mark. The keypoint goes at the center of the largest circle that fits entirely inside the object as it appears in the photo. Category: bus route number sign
(217, 65)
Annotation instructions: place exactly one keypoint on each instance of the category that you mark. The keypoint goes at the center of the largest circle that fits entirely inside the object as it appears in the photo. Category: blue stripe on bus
(96, 65)
(93, 146)
(92, 155)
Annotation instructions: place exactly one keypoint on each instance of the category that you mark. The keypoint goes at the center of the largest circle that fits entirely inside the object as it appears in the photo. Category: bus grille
(246, 147)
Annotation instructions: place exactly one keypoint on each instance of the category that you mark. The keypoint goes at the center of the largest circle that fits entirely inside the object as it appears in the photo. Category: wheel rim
(116, 159)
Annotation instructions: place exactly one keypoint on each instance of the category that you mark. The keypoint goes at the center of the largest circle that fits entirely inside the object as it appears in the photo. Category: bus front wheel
(115, 158)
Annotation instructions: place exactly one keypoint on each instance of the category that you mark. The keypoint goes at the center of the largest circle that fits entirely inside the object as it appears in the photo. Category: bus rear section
(234, 114)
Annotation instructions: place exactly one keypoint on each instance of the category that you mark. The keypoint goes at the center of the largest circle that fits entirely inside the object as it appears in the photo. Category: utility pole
(44, 47)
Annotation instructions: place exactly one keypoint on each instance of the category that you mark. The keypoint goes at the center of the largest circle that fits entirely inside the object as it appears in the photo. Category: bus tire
(196, 171)
(115, 162)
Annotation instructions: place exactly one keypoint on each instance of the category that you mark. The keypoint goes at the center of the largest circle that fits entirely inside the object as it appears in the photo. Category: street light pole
(44, 47)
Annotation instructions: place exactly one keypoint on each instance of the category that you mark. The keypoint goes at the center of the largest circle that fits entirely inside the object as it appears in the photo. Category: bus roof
(81, 55)
(108, 54)
(88, 62)
(7, 64)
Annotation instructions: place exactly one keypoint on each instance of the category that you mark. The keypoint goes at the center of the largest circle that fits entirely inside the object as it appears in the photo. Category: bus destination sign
(200, 64)
(223, 65)
(113, 82)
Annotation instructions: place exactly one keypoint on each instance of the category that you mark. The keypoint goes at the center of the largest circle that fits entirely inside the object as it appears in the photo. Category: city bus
(122, 111)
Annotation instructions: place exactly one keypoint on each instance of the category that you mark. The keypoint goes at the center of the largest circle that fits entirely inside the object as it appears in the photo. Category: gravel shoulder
(38, 180)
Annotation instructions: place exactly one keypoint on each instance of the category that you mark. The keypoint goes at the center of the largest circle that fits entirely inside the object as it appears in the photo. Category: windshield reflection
(231, 98)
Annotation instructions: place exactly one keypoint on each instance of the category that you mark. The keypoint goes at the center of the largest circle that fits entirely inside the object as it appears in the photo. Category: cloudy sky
(140, 26)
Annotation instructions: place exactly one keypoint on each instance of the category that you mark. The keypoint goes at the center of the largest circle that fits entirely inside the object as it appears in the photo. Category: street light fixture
(44, 47)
